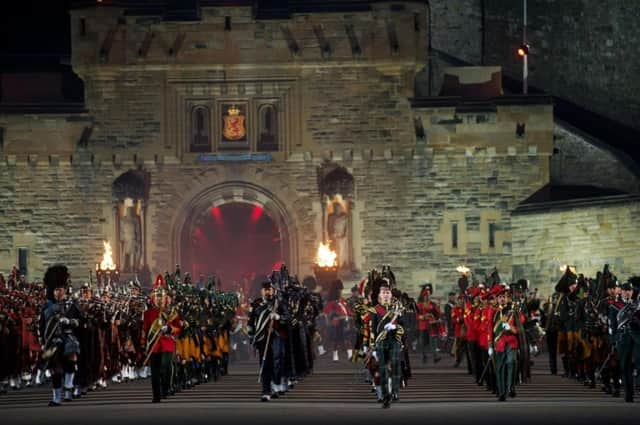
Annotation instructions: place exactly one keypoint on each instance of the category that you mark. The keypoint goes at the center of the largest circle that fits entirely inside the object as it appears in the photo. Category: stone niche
(130, 196)
(336, 186)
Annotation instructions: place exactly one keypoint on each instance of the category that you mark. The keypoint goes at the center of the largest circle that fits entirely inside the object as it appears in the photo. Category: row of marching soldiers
(497, 327)
(282, 327)
(81, 341)
(593, 325)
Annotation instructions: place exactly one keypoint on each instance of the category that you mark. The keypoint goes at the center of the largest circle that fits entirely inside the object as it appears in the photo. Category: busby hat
(56, 276)
(523, 284)
(380, 282)
(266, 284)
(309, 282)
(335, 289)
(567, 279)
(387, 273)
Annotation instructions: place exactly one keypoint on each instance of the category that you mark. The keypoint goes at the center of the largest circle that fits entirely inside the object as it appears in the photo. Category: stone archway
(230, 193)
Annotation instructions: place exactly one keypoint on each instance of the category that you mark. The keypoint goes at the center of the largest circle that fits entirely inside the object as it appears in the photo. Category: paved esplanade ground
(335, 394)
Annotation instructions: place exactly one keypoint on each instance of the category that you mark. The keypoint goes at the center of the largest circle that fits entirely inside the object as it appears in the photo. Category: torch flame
(463, 269)
(107, 258)
(325, 257)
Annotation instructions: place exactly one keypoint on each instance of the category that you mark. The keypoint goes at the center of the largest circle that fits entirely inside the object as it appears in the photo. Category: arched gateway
(263, 231)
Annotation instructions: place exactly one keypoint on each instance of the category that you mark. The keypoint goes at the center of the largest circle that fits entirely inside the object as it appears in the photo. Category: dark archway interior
(236, 241)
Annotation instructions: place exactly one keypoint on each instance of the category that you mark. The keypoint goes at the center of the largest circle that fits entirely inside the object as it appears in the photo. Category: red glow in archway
(234, 241)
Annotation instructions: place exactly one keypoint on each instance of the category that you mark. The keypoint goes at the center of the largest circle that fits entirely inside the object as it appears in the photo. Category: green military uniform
(628, 340)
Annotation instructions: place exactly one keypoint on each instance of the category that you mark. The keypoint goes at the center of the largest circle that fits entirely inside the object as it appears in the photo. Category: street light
(523, 50)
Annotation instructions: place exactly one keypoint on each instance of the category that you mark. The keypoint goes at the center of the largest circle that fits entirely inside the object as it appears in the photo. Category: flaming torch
(463, 280)
(326, 266)
(464, 270)
(106, 270)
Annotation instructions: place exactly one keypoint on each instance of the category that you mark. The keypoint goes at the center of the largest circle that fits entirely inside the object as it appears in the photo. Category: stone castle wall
(587, 236)
(472, 169)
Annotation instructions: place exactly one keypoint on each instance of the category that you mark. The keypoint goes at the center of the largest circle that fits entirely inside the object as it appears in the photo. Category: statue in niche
(337, 231)
(130, 239)
(200, 140)
(268, 140)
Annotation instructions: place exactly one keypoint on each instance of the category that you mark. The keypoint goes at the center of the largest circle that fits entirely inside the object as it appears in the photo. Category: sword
(598, 373)
(486, 369)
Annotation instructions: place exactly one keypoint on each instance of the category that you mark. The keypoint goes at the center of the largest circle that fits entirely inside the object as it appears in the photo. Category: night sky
(34, 32)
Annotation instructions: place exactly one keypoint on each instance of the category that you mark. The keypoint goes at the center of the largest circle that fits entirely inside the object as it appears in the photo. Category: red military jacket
(486, 323)
(167, 343)
(458, 319)
(428, 317)
(505, 338)
(471, 321)
(336, 311)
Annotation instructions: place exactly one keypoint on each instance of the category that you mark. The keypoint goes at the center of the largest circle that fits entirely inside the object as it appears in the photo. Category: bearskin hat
(568, 279)
(335, 289)
(56, 276)
(378, 283)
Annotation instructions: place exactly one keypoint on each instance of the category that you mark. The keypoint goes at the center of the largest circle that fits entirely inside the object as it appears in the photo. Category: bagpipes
(279, 278)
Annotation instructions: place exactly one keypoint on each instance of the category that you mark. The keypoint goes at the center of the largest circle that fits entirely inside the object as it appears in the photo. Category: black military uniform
(266, 339)
(58, 321)
(628, 339)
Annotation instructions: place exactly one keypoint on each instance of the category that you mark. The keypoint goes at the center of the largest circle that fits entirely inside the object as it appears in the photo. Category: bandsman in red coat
(428, 313)
(472, 331)
(504, 343)
(161, 326)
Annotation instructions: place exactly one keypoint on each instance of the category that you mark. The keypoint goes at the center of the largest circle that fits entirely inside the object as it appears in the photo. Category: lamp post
(525, 48)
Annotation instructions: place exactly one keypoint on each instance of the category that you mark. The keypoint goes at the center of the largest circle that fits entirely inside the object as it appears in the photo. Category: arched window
(200, 130)
(268, 128)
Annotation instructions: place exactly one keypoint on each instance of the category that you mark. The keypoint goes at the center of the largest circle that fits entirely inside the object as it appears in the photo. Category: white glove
(390, 327)
(64, 321)
(365, 349)
(374, 354)
(506, 327)
(165, 329)
(274, 316)
(490, 351)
